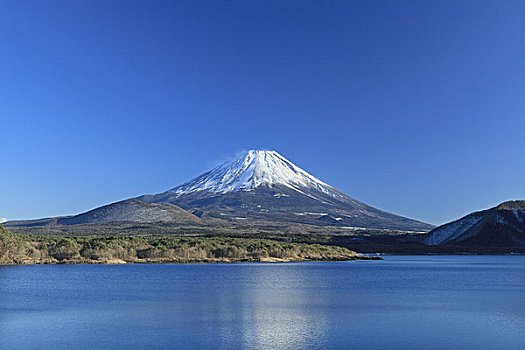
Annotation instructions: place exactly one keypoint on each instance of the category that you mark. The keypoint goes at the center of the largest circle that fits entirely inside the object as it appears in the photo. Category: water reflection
(277, 311)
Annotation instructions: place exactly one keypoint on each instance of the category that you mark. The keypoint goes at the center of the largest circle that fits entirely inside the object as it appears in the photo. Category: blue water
(408, 302)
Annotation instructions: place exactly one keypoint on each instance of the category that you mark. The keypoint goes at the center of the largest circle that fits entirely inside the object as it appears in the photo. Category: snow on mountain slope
(252, 170)
(451, 231)
(503, 225)
(517, 213)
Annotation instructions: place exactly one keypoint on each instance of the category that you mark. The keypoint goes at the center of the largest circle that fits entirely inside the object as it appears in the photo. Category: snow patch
(517, 214)
(254, 169)
(451, 231)
(3, 220)
(308, 213)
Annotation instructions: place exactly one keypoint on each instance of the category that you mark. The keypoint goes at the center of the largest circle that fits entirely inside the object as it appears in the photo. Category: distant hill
(130, 210)
(501, 226)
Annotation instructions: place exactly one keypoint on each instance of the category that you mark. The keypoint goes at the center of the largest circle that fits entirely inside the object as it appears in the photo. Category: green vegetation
(12, 247)
(43, 249)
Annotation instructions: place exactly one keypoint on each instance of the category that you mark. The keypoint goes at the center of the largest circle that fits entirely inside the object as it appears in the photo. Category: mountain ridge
(129, 210)
(502, 225)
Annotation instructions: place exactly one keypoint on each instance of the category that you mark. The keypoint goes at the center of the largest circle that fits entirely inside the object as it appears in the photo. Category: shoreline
(183, 261)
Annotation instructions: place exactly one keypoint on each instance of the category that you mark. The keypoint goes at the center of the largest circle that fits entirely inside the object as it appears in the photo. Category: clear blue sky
(415, 107)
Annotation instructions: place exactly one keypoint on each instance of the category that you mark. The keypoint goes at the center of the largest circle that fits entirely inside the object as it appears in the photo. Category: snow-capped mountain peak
(266, 187)
(253, 169)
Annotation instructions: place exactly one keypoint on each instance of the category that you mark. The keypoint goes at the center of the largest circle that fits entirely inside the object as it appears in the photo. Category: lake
(403, 302)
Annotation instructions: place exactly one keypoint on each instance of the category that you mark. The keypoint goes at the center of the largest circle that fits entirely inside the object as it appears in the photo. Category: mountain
(263, 185)
(501, 226)
(130, 210)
